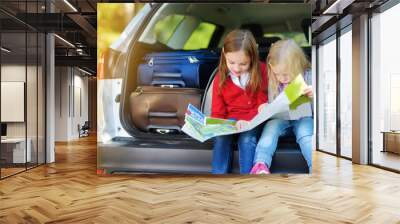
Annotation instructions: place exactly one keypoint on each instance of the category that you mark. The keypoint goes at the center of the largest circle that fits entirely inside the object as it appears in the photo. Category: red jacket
(235, 102)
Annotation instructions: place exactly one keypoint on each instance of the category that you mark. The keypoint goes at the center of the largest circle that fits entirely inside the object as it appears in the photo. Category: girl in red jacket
(239, 89)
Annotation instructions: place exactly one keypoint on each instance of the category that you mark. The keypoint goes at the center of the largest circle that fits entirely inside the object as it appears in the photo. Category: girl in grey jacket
(285, 60)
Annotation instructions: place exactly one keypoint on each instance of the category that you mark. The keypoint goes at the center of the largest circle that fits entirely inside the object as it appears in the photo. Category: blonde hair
(290, 56)
(241, 40)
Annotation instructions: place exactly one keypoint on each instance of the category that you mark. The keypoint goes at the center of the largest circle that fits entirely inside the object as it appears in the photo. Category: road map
(202, 128)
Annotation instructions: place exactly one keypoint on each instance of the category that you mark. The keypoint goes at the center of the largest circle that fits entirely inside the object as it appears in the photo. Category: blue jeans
(273, 129)
(222, 151)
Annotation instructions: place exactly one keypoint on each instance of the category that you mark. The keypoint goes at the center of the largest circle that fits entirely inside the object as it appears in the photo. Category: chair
(84, 129)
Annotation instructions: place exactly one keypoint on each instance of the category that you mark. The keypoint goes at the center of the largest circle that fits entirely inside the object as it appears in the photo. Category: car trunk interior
(221, 15)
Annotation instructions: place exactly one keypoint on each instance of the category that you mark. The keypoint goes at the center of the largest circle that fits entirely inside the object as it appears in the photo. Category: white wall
(14, 73)
(61, 103)
(71, 87)
(80, 85)
(13, 101)
(33, 126)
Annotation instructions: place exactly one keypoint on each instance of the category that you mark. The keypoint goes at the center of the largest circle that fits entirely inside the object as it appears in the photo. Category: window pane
(327, 97)
(346, 94)
(298, 37)
(201, 37)
(166, 27)
(32, 97)
(15, 150)
(385, 88)
(41, 99)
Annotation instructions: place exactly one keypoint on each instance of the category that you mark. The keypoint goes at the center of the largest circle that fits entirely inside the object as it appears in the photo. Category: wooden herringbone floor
(69, 191)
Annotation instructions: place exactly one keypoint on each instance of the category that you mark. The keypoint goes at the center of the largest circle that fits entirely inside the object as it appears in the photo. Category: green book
(294, 92)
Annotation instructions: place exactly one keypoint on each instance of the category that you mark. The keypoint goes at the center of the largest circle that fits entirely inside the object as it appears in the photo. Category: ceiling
(74, 22)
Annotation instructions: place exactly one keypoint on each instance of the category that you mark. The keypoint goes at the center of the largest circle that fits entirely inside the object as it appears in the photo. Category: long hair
(241, 40)
(290, 56)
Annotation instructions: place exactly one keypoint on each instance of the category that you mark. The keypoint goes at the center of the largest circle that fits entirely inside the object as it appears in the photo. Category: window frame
(333, 37)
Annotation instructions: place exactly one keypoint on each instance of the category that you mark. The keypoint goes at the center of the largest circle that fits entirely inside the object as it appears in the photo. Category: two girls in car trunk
(242, 88)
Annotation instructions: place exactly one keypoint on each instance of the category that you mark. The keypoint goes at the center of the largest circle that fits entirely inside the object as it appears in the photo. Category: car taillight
(100, 172)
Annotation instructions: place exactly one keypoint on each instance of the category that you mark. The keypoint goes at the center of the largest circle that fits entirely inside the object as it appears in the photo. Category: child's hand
(308, 91)
(261, 107)
(242, 124)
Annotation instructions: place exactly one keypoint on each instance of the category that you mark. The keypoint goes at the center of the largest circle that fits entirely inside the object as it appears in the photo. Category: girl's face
(280, 74)
(238, 62)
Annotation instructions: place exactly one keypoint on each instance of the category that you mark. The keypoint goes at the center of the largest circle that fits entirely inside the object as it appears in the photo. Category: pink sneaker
(260, 168)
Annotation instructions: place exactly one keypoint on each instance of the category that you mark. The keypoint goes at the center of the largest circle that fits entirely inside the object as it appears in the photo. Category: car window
(298, 37)
(201, 36)
(122, 43)
(178, 31)
(164, 28)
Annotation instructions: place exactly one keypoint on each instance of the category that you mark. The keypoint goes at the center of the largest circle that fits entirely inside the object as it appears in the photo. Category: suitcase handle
(168, 83)
(163, 114)
(169, 86)
(168, 74)
(164, 129)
